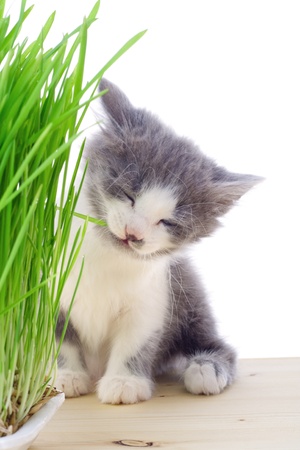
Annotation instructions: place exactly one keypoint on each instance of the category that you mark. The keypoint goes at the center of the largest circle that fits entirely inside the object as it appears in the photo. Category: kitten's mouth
(124, 243)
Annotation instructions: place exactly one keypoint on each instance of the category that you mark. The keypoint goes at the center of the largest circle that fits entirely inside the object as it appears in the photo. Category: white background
(227, 75)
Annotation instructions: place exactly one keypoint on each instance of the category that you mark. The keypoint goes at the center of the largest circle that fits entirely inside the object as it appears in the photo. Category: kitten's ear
(228, 188)
(116, 105)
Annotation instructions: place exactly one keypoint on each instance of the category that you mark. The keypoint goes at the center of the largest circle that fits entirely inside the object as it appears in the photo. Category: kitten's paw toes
(124, 389)
(73, 384)
(205, 378)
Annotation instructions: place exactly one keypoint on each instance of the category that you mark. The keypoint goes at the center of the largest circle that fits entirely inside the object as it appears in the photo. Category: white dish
(24, 437)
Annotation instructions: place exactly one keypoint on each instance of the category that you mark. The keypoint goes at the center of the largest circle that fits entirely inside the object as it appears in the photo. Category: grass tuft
(41, 110)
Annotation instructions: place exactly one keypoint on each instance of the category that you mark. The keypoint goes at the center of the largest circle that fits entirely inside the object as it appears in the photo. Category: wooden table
(260, 411)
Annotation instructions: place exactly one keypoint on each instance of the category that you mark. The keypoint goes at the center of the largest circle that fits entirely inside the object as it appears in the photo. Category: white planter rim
(24, 437)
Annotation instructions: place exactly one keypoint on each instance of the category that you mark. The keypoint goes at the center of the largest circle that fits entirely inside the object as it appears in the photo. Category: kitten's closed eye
(167, 223)
(129, 198)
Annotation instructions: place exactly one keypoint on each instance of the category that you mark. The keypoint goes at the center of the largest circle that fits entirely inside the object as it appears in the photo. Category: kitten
(139, 305)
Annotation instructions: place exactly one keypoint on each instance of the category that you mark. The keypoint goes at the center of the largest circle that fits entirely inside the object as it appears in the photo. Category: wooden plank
(261, 411)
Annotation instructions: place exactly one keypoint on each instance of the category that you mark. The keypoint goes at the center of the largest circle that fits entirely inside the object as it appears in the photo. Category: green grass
(42, 105)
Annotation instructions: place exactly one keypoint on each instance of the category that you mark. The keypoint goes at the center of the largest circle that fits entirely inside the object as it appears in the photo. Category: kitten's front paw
(73, 384)
(124, 389)
(205, 378)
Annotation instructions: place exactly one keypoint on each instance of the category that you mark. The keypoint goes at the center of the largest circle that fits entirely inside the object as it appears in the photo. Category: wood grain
(260, 411)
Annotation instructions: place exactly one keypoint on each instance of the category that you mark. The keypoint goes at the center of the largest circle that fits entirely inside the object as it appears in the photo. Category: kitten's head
(156, 191)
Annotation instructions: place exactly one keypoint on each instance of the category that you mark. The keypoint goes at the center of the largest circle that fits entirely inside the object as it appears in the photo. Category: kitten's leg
(72, 377)
(128, 377)
(210, 362)
(126, 380)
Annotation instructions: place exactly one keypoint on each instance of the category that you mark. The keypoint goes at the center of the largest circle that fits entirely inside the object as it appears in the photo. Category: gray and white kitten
(139, 305)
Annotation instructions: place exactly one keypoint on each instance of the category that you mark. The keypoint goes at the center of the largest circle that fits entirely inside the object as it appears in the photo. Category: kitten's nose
(133, 235)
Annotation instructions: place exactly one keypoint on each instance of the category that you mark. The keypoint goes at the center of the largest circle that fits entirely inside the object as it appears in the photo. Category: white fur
(202, 379)
(72, 378)
(73, 383)
(124, 389)
(121, 299)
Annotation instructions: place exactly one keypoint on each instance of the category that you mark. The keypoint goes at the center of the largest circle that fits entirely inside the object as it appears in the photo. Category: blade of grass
(18, 242)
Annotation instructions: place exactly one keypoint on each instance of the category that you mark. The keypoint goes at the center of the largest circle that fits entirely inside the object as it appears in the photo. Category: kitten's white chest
(117, 293)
